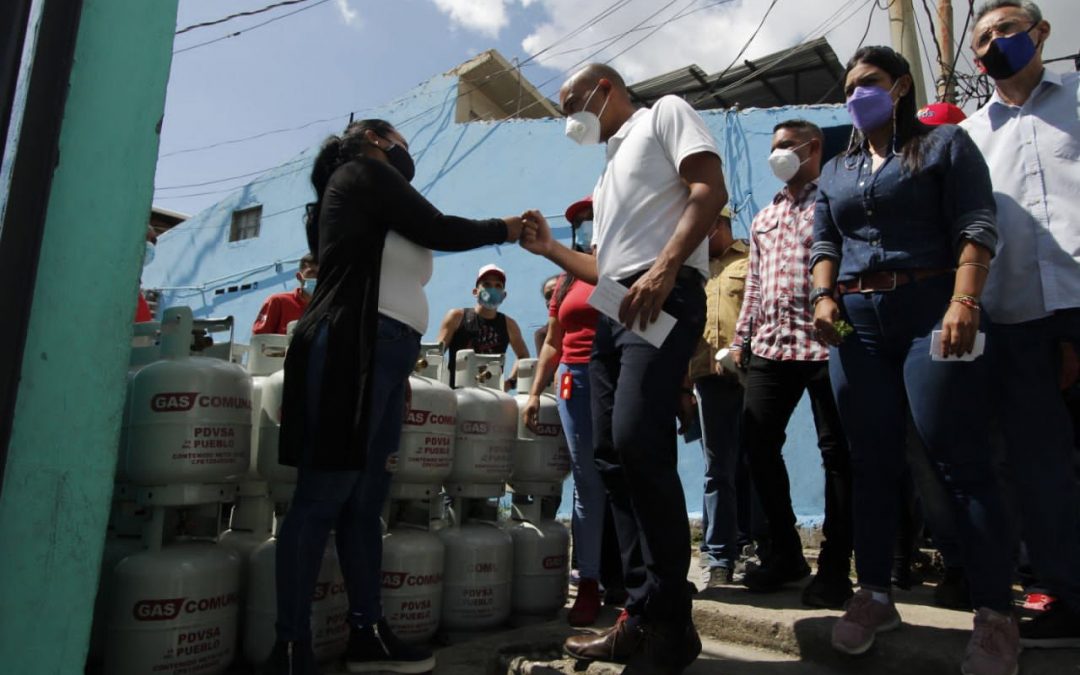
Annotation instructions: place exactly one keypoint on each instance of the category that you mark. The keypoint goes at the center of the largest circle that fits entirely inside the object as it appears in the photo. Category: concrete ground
(753, 634)
(750, 634)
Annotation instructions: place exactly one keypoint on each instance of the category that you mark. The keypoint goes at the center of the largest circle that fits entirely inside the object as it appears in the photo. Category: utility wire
(603, 14)
(302, 161)
(960, 43)
(251, 28)
(824, 28)
(608, 11)
(230, 17)
(678, 15)
(748, 41)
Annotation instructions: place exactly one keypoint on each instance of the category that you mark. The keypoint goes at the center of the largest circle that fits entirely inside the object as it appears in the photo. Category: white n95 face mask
(583, 127)
(785, 162)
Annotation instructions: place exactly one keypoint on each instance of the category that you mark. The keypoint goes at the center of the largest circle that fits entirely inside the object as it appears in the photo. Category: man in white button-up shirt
(1030, 136)
(657, 199)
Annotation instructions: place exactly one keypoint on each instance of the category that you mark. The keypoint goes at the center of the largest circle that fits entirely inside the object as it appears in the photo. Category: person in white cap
(482, 327)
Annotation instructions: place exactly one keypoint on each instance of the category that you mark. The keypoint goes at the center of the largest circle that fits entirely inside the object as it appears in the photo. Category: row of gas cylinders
(173, 601)
(198, 420)
(185, 604)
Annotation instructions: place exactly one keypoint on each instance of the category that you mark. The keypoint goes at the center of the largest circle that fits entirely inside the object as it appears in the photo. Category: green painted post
(58, 483)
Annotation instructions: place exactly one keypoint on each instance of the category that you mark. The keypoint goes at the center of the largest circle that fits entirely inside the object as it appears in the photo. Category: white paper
(606, 299)
(976, 349)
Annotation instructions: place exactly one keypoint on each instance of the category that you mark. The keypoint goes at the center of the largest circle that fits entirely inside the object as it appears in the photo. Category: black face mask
(1007, 56)
(401, 160)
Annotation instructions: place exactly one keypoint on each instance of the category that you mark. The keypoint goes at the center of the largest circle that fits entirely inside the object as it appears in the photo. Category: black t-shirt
(484, 336)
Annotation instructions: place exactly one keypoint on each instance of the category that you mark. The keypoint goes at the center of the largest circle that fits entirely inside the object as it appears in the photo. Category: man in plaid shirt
(775, 342)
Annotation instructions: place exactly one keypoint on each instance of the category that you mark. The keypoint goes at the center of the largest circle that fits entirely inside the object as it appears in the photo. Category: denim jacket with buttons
(896, 219)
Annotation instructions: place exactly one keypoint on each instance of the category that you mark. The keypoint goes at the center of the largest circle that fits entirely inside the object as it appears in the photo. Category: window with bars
(245, 223)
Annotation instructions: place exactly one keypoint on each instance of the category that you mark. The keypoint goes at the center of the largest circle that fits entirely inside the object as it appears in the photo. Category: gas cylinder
(412, 573)
(189, 418)
(265, 357)
(478, 569)
(144, 344)
(251, 524)
(541, 458)
(486, 428)
(541, 561)
(123, 538)
(281, 478)
(329, 607)
(426, 455)
(173, 607)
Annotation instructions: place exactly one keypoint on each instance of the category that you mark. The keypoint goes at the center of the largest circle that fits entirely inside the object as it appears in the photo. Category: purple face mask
(870, 107)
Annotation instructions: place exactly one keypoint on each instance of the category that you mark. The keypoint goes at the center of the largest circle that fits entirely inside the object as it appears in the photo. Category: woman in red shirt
(568, 346)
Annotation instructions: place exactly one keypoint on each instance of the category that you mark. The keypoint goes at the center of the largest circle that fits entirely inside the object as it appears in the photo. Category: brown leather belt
(887, 280)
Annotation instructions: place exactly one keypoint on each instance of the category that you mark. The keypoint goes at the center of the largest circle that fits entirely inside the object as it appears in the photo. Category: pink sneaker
(994, 647)
(863, 618)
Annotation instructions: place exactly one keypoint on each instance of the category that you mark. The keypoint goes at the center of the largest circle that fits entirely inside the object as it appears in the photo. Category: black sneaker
(1057, 627)
(952, 591)
(375, 648)
(775, 574)
(290, 658)
(828, 591)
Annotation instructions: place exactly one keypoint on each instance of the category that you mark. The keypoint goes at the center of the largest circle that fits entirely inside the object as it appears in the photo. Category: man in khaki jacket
(719, 396)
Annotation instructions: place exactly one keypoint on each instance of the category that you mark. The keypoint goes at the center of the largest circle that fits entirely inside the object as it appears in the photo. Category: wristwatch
(819, 293)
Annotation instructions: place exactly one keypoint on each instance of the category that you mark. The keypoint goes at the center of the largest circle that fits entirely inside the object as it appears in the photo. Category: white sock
(878, 596)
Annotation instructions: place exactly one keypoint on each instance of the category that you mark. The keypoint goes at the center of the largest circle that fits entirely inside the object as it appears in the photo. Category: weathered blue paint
(481, 169)
(62, 455)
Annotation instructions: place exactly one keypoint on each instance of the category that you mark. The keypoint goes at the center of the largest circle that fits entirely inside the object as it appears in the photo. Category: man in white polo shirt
(655, 203)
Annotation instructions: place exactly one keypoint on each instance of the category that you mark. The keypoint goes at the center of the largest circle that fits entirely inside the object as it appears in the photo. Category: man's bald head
(594, 72)
(598, 87)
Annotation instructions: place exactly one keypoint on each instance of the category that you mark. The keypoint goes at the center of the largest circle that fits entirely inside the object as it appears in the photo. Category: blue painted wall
(482, 169)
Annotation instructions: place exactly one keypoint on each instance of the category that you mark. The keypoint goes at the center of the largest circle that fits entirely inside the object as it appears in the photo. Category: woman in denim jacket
(903, 235)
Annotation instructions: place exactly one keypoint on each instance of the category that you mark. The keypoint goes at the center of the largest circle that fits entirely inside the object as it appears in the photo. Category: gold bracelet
(975, 264)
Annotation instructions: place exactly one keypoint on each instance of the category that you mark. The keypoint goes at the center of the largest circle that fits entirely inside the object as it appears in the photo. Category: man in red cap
(482, 327)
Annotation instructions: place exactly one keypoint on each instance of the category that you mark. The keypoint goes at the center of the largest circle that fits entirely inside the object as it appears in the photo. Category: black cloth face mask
(401, 160)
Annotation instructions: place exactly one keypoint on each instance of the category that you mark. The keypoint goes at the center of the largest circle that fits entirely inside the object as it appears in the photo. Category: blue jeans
(875, 374)
(720, 402)
(590, 498)
(349, 502)
(1039, 438)
(635, 399)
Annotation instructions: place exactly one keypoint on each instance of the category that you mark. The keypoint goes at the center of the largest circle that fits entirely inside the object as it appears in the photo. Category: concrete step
(931, 641)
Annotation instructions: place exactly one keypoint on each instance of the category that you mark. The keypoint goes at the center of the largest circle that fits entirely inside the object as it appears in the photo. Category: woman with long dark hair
(346, 377)
(903, 235)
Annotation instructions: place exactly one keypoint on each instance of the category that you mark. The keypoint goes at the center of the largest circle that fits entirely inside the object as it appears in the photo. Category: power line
(251, 28)
(676, 17)
(748, 41)
(869, 21)
(823, 28)
(233, 141)
(933, 34)
(608, 11)
(230, 17)
(960, 44)
(602, 14)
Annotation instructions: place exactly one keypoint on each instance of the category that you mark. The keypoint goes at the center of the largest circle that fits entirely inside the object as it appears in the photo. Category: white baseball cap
(490, 269)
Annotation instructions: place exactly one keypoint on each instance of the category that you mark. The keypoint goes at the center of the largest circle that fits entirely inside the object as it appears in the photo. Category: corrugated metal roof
(806, 74)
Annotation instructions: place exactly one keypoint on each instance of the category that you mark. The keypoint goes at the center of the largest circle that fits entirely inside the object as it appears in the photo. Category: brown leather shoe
(664, 651)
(615, 645)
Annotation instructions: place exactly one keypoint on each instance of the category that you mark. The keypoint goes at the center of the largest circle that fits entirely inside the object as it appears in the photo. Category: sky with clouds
(291, 76)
